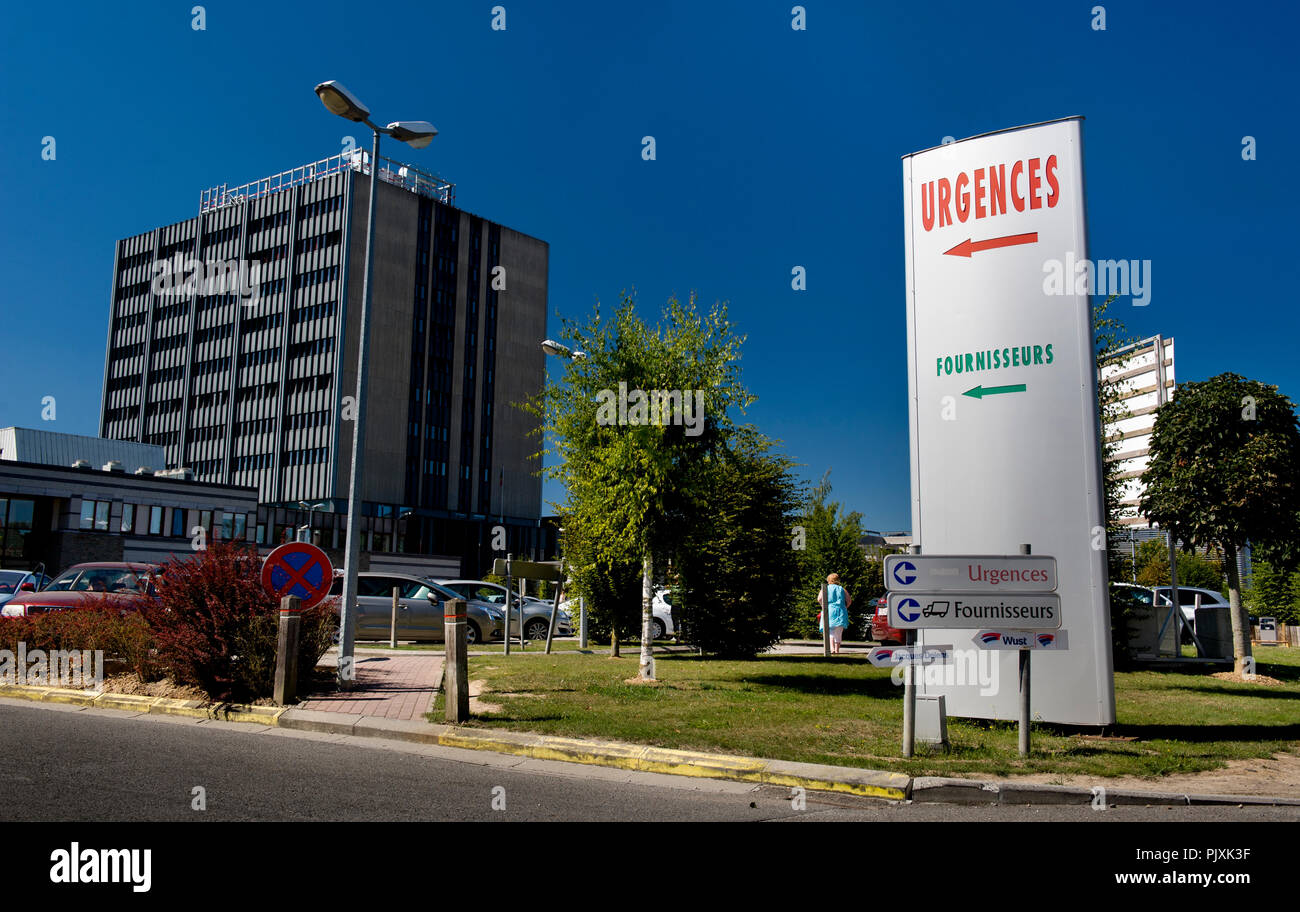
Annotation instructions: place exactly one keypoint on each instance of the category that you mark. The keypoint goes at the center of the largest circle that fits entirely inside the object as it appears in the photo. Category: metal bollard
(392, 627)
(456, 668)
(286, 650)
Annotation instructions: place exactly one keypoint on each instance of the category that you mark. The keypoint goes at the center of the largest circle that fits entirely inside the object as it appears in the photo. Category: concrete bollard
(455, 676)
(286, 650)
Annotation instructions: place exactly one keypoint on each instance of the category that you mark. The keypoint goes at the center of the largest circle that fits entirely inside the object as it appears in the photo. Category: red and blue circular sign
(301, 569)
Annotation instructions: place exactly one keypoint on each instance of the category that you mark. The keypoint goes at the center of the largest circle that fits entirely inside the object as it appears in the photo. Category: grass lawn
(845, 712)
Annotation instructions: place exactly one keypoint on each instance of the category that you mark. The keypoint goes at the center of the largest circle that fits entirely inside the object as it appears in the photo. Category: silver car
(419, 609)
(536, 614)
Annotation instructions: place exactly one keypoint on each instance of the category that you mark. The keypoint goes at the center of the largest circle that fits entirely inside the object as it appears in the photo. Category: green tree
(1194, 570)
(630, 472)
(735, 565)
(1225, 470)
(831, 537)
(1274, 592)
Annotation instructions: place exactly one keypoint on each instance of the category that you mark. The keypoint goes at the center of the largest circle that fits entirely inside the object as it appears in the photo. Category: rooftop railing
(408, 177)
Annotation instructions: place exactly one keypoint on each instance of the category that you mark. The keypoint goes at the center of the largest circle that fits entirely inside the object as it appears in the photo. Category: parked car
(419, 609)
(536, 614)
(1187, 599)
(881, 632)
(13, 582)
(1160, 597)
(129, 585)
(662, 610)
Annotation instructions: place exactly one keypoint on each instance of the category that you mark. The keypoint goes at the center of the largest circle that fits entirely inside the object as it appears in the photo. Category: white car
(1187, 600)
(661, 621)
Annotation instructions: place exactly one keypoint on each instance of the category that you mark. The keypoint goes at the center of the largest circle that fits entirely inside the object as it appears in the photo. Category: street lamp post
(311, 510)
(418, 134)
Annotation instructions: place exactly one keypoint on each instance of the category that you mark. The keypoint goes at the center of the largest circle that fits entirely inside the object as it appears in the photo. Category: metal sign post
(506, 637)
(1024, 689)
(909, 688)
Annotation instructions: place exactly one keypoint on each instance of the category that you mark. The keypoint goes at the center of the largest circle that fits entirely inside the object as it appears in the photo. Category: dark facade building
(233, 345)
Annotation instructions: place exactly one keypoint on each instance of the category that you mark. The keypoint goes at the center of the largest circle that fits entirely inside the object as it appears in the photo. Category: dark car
(127, 585)
(881, 632)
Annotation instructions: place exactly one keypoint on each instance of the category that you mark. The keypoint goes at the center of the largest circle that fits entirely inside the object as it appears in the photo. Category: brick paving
(388, 686)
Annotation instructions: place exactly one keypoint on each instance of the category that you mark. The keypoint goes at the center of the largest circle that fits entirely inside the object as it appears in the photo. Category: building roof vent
(144, 470)
(184, 472)
(81, 464)
(112, 466)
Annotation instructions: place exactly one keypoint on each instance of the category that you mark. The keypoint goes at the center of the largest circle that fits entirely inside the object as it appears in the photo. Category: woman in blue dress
(840, 601)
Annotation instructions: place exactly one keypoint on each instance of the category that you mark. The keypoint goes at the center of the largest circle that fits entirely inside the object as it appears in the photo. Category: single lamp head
(415, 133)
(338, 100)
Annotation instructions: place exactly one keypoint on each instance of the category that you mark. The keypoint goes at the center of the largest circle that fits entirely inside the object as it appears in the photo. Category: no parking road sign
(301, 569)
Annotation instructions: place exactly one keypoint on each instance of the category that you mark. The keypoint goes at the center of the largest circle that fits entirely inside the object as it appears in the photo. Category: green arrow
(980, 392)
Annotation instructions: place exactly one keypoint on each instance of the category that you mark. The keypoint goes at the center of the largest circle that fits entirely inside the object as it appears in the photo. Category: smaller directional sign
(889, 656)
(301, 569)
(1002, 638)
(970, 573)
(922, 610)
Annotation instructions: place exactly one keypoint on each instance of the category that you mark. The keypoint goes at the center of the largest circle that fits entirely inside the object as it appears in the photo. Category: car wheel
(536, 629)
(657, 630)
(471, 633)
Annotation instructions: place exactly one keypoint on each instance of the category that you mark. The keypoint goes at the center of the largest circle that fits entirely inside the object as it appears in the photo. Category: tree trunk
(647, 626)
(1243, 661)
(613, 642)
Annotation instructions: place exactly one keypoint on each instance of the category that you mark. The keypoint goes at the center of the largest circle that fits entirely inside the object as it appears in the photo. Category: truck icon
(936, 609)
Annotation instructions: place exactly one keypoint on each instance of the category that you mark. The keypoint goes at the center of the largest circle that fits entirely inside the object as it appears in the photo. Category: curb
(879, 784)
(617, 754)
(223, 712)
(942, 790)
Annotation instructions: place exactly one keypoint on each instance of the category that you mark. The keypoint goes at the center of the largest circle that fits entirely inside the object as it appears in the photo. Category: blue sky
(775, 148)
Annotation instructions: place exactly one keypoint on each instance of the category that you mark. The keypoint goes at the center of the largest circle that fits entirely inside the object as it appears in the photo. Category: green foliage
(670, 490)
(1193, 569)
(1274, 592)
(831, 537)
(1225, 464)
(735, 563)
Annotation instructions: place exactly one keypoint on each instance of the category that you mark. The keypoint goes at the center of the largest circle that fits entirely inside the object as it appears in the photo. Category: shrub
(216, 626)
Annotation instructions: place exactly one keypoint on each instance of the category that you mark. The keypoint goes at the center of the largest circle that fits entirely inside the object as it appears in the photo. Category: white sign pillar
(1003, 393)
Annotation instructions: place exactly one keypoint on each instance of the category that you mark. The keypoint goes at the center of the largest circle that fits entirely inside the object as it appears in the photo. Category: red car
(127, 584)
(881, 632)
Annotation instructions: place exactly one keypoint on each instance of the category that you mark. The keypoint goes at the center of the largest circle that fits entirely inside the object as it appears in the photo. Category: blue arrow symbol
(905, 566)
(905, 605)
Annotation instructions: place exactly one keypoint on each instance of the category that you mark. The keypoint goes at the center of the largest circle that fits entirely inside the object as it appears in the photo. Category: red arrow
(967, 247)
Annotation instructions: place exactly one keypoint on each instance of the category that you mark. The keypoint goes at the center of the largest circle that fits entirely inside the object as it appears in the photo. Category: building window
(178, 522)
(94, 515)
(155, 520)
(128, 517)
(241, 527)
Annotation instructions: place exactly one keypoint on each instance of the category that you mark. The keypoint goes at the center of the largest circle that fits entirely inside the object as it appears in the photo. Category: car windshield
(63, 582)
(10, 580)
(100, 579)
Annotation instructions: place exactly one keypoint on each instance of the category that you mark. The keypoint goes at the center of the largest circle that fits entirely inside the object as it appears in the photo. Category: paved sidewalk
(392, 686)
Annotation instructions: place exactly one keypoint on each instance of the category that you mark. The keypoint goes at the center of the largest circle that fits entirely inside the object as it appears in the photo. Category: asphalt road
(65, 764)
